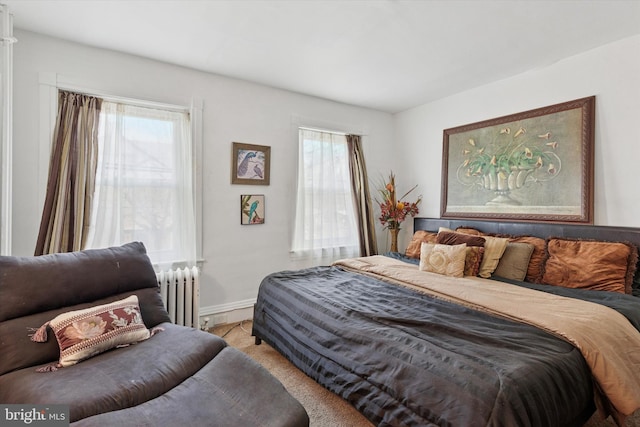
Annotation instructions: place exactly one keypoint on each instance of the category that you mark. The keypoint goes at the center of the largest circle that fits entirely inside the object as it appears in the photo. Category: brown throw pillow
(590, 264)
(471, 231)
(453, 238)
(413, 250)
(472, 260)
(514, 261)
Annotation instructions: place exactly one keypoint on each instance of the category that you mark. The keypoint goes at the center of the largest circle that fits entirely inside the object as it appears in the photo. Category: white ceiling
(390, 55)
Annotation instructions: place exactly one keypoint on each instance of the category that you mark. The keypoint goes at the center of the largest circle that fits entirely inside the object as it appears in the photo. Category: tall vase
(394, 239)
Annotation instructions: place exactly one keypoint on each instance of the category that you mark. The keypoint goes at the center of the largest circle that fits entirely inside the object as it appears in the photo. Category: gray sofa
(179, 376)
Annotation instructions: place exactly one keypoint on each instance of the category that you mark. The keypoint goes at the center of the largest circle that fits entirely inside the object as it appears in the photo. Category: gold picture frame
(250, 164)
(531, 166)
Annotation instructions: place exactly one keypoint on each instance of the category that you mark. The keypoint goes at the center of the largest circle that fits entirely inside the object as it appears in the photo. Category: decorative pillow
(494, 247)
(443, 259)
(82, 334)
(514, 262)
(453, 238)
(472, 260)
(536, 263)
(413, 250)
(471, 231)
(474, 256)
(590, 264)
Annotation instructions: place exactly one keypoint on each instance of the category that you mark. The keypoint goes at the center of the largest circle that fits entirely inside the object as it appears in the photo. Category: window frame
(325, 251)
(51, 83)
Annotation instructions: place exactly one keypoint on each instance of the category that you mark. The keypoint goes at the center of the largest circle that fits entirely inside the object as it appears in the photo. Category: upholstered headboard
(538, 229)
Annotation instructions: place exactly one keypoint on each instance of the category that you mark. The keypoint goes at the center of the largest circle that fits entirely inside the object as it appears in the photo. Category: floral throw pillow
(82, 334)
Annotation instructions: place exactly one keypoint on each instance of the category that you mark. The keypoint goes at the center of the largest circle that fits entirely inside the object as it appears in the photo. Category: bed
(409, 346)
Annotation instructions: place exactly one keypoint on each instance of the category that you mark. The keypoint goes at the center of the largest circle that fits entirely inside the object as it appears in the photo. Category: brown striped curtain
(72, 171)
(363, 205)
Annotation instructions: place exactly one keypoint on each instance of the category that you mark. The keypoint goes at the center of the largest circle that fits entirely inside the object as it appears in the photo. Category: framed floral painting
(531, 166)
(250, 164)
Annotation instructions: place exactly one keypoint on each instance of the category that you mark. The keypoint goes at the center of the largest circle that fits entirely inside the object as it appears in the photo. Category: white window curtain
(144, 183)
(325, 224)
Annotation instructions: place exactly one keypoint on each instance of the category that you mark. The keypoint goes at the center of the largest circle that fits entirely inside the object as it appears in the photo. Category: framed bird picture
(250, 164)
(251, 209)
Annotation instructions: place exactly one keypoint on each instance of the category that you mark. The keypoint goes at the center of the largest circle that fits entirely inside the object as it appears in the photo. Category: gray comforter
(403, 358)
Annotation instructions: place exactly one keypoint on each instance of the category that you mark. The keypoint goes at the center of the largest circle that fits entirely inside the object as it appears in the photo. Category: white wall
(236, 257)
(611, 73)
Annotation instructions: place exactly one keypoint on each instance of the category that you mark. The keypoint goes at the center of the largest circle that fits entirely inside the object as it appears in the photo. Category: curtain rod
(325, 130)
(114, 98)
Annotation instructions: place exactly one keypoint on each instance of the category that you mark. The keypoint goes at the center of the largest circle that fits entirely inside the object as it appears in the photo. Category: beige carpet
(325, 409)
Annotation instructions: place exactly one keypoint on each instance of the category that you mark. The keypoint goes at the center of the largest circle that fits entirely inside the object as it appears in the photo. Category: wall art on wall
(531, 166)
(250, 164)
(251, 209)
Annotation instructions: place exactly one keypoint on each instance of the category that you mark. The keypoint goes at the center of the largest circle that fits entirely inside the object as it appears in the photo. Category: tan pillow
(82, 334)
(413, 250)
(514, 262)
(443, 259)
(590, 264)
(493, 249)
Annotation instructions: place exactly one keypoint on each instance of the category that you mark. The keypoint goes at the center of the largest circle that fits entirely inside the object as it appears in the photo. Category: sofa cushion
(31, 284)
(231, 390)
(82, 334)
(119, 378)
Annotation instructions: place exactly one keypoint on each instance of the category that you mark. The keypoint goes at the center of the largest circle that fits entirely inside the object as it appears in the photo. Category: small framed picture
(251, 209)
(250, 164)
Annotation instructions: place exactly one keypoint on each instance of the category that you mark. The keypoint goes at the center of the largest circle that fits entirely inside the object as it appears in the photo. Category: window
(144, 182)
(325, 222)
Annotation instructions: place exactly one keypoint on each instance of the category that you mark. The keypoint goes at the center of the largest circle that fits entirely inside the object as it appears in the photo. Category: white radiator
(180, 290)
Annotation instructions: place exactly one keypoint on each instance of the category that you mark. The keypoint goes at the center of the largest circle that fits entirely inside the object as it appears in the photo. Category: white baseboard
(226, 313)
